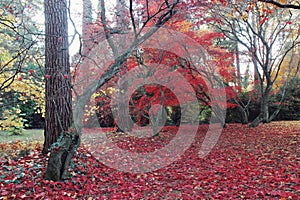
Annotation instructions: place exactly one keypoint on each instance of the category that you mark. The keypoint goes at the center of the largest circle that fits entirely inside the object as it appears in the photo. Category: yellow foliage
(27, 86)
(29, 89)
(288, 68)
(245, 16)
(15, 81)
(12, 121)
(185, 26)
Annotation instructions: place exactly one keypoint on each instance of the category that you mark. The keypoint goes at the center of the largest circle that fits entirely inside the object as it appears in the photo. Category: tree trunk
(257, 121)
(58, 115)
(125, 123)
(87, 33)
(244, 115)
(57, 69)
(264, 109)
(61, 154)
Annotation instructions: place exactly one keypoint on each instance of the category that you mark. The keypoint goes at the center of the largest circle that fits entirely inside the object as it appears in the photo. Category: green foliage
(291, 105)
(21, 77)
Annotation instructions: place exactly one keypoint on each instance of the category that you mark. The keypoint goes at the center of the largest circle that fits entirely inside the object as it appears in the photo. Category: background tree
(267, 35)
(183, 21)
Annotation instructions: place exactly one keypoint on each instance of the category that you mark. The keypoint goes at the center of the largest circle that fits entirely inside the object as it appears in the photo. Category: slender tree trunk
(244, 115)
(238, 65)
(264, 109)
(87, 34)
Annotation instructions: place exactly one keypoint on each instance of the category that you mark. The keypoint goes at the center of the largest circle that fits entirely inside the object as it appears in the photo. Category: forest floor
(246, 163)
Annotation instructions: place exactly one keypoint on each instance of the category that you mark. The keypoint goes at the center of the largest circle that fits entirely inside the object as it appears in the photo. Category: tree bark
(57, 69)
(87, 33)
(125, 123)
(61, 140)
(244, 115)
(264, 115)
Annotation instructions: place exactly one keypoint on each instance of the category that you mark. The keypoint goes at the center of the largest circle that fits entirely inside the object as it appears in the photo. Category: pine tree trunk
(58, 115)
(57, 69)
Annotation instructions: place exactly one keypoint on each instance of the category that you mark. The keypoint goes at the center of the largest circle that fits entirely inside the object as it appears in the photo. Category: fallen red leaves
(245, 164)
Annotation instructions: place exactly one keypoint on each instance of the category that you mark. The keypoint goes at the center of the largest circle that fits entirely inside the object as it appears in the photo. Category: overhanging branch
(280, 5)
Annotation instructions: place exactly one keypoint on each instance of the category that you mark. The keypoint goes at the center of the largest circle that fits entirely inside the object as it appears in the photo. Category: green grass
(28, 135)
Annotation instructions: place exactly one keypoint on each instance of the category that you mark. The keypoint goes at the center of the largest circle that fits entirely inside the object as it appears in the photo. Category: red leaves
(263, 20)
(246, 163)
(47, 76)
(59, 39)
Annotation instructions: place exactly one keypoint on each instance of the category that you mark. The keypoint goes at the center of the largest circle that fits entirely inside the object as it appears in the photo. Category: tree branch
(293, 6)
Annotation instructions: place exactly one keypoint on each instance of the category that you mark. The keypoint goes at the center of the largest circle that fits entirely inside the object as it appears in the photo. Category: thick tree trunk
(58, 115)
(57, 69)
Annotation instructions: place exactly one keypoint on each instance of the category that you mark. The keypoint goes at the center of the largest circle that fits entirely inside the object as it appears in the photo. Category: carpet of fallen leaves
(247, 163)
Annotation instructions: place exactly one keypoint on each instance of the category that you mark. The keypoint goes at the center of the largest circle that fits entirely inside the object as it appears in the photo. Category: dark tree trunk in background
(58, 115)
(57, 69)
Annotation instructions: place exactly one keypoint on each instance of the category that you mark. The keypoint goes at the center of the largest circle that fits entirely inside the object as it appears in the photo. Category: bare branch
(280, 5)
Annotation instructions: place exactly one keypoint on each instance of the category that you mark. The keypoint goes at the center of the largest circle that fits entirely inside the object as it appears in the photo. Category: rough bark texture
(57, 69)
(58, 115)
(264, 115)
